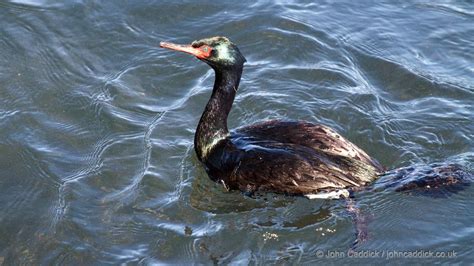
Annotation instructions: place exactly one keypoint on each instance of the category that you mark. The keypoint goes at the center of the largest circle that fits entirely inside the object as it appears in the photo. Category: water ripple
(97, 125)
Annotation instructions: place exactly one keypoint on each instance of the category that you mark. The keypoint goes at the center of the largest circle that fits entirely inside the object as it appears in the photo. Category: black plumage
(290, 157)
(293, 157)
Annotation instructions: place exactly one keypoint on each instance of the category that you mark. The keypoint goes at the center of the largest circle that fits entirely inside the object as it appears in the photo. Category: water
(96, 122)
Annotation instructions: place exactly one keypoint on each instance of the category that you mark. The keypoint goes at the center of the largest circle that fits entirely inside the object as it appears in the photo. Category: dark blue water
(96, 128)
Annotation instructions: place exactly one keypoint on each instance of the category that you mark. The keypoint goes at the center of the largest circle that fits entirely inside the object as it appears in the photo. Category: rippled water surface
(96, 127)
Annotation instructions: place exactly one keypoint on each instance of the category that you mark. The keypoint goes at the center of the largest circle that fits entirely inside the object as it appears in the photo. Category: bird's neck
(213, 124)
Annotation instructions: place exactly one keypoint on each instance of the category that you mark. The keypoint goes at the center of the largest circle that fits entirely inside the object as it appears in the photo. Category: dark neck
(213, 124)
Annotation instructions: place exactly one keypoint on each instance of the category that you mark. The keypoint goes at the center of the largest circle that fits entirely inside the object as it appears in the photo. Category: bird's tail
(435, 180)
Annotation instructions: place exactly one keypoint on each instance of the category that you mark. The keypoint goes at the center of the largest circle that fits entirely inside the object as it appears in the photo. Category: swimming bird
(282, 156)
(296, 157)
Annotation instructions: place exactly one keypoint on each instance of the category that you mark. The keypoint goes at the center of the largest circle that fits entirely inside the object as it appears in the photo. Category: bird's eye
(206, 50)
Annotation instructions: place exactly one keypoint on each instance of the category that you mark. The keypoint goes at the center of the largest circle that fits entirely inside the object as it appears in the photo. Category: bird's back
(290, 157)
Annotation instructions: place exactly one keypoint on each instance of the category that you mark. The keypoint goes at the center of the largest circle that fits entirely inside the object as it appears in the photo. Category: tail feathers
(435, 180)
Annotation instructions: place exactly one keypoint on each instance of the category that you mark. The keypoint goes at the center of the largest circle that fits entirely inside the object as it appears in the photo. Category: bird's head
(218, 52)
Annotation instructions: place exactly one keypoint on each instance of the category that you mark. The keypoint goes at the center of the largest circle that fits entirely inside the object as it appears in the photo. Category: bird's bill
(200, 52)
